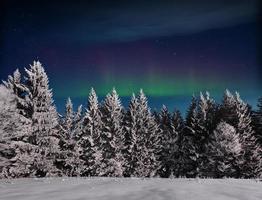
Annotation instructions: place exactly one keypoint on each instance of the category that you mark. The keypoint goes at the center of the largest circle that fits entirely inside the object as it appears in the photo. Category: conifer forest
(104, 139)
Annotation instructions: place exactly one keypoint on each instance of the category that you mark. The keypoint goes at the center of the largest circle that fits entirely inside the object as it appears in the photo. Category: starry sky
(171, 49)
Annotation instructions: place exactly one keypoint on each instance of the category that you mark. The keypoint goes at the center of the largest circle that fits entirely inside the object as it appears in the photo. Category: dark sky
(171, 49)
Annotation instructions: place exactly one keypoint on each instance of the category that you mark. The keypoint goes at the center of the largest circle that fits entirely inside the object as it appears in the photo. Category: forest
(213, 140)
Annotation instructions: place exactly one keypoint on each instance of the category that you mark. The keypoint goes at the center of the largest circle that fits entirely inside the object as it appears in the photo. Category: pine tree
(69, 118)
(144, 139)
(227, 111)
(43, 113)
(251, 152)
(130, 129)
(169, 146)
(237, 113)
(188, 159)
(257, 122)
(88, 139)
(44, 119)
(16, 86)
(10, 119)
(78, 122)
(178, 126)
(112, 137)
(224, 152)
(16, 155)
(68, 158)
(206, 124)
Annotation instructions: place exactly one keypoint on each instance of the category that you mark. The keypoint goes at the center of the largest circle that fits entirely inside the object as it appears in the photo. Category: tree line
(105, 139)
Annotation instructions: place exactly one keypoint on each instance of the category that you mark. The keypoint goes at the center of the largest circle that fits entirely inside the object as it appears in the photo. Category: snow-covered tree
(237, 113)
(15, 85)
(43, 112)
(44, 117)
(178, 126)
(227, 111)
(68, 160)
(78, 122)
(17, 157)
(69, 118)
(130, 129)
(112, 137)
(257, 122)
(207, 110)
(251, 152)
(88, 138)
(143, 139)
(224, 152)
(188, 158)
(170, 130)
(12, 124)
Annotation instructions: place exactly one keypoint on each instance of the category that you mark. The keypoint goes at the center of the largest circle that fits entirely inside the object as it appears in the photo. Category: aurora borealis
(171, 49)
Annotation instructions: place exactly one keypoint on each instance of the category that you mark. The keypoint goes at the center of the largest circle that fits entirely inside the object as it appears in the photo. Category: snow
(129, 189)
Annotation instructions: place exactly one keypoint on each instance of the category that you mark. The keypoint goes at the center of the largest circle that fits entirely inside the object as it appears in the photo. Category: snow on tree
(15, 85)
(205, 127)
(68, 157)
(171, 128)
(257, 122)
(188, 159)
(237, 113)
(251, 152)
(44, 118)
(112, 137)
(143, 139)
(43, 113)
(16, 156)
(69, 118)
(77, 122)
(88, 138)
(130, 129)
(178, 126)
(224, 152)
(213, 141)
(227, 111)
(11, 123)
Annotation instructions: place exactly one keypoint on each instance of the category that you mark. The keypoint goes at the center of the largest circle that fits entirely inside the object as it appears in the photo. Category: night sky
(171, 49)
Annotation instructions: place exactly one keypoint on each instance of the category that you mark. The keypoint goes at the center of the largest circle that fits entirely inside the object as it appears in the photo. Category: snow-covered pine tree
(227, 111)
(188, 158)
(88, 138)
(78, 122)
(112, 137)
(75, 161)
(237, 113)
(224, 152)
(16, 156)
(130, 129)
(44, 119)
(257, 122)
(68, 158)
(15, 85)
(169, 146)
(251, 152)
(207, 110)
(69, 118)
(178, 126)
(40, 99)
(143, 139)
(10, 119)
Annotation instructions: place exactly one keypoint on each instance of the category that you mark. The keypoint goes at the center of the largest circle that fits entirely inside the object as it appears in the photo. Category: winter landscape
(107, 140)
(134, 99)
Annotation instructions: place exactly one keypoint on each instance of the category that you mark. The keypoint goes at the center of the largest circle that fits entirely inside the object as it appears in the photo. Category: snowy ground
(129, 189)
